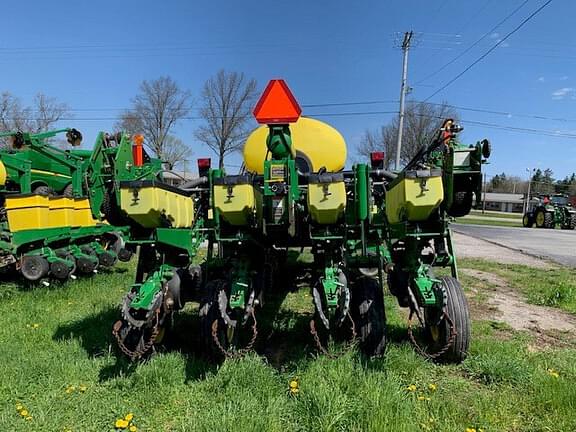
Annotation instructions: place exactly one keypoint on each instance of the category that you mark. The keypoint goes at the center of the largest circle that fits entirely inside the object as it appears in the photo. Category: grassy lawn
(58, 361)
(492, 222)
(497, 215)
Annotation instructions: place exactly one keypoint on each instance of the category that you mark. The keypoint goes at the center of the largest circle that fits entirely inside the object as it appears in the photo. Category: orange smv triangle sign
(277, 105)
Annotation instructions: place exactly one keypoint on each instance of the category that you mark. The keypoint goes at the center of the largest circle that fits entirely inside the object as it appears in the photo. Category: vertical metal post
(405, 48)
(484, 199)
(527, 206)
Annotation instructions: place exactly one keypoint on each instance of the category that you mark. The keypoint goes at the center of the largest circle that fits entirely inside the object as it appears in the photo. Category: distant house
(176, 178)
(505, 202)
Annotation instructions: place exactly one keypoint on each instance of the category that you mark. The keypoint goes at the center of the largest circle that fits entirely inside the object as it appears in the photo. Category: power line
(496, 45)
(489, 32)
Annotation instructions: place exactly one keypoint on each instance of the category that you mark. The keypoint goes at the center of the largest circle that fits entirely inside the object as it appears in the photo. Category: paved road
(557, 245)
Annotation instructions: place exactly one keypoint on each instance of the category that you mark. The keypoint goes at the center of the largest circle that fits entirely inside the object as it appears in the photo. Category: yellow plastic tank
(326, 197)
(61, 213)
(3, 174)
(153, 204)
(237, 200)
(27, 211)
(315, 142)
(414, 196)
(82, 213)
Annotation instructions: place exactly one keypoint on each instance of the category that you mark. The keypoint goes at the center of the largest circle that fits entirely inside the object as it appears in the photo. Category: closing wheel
(527, 221)
(572, 224)
(60, 270)
(449, 332)
(218, 335)
(107, 259)
(34, 267)
(369, 316)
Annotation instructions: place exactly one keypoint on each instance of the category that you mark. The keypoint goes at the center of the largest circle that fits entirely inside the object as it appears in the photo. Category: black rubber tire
(527, 221)
(549, 220)
(111, 211)
(540, 222)
(107, 259)
(457, 310)
(43, 190)
(34, 267)
(369, 316)
(68, 191)
(461, 204)
(572, 221)
(59, 270)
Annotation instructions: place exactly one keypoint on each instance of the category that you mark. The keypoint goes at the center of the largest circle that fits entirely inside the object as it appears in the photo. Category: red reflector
(376, 156)
(204, 163)
(277, 105)
(138, 150)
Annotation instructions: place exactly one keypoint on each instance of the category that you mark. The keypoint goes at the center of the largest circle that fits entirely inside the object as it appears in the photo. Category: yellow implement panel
(326, 201)
(318, 142)
(237, 203)
(414, 197)
(61, 212)
(3, 174)
(155, 205)
(27, 212)
(82, 213)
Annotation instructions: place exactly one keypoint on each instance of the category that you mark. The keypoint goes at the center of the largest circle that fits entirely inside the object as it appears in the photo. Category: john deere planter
(47, 228)
(358, 227)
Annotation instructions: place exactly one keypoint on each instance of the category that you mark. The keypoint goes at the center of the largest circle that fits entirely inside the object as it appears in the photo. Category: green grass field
(497, 215)
(492, 222)
(58, 361)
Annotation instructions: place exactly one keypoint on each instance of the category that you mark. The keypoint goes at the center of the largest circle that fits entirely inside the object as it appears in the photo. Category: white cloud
(563, 78)
(563, 93)
(541, 79)
(495, 35)
(504, 45)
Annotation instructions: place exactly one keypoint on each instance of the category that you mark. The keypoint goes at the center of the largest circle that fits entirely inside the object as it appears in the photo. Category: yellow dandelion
(35, 325)
(83, 388)
(29, 418)
(121, 424)
(129, 417)
(411, 388)
(24, 413)
(133, 428)
(553, 373)
(294, 386)
(19, 407)
(470, 429)
(432, 387)
(421, 398)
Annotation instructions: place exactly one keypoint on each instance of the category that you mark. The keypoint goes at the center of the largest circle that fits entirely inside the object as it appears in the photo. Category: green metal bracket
(148, 291)
(425, 286)
(240, 284)
(330, 284)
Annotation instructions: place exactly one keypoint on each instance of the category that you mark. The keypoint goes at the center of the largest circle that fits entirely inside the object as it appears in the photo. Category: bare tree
(176, 152)
(421, 124)
(156, 109)
(40, 116)
(227, 99)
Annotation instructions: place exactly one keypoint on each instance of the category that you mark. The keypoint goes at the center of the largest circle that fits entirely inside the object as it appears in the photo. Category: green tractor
(359, 228)
(549, 212)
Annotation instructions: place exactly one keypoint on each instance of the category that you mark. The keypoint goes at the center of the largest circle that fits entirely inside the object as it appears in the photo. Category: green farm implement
(47, 228)
(359, 228)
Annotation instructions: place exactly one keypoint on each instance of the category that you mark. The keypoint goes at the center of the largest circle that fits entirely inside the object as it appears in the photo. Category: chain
(321, 347)
(243, 351)
(138, 353)
(445, 348)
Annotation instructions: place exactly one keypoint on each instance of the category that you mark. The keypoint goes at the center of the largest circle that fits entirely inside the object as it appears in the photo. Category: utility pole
(527, 205)
(403, 88)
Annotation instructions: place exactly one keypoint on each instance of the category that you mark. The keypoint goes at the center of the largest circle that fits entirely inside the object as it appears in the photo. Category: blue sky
(93, 55)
